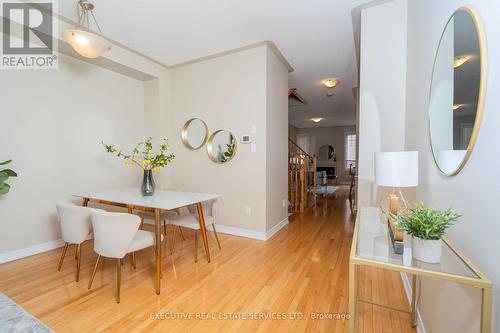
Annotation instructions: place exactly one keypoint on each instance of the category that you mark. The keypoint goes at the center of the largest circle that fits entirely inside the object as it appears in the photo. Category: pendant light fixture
(84, 42)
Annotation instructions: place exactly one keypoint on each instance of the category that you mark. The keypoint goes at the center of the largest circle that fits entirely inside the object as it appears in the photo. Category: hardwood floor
(302, 270)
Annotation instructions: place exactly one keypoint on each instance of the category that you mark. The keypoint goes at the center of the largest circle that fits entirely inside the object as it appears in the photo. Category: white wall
(231, 92)
(382, 89)
(475, 191)
(276, 143)
(331, 135)
(52, 125)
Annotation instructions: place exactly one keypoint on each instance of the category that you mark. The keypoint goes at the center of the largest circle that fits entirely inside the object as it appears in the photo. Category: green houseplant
(5, 174)
(426, 226)
(144, 157)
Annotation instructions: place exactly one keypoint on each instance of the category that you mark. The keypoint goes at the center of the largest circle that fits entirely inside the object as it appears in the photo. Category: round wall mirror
(326, 152)
(457, 91)
(194, 133)
(221, 146)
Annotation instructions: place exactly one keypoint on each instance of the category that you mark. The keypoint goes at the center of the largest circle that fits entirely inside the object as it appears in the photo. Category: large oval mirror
(457, 91)
(194, 133)
(326, 152)
(221, 146)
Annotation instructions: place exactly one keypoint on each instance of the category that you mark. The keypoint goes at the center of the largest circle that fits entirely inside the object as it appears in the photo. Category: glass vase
(148, 184)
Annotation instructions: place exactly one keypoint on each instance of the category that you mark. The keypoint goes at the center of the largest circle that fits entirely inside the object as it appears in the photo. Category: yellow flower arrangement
(150, 160)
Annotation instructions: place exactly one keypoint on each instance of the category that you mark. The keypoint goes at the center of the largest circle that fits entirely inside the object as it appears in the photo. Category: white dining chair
(116, 235)
(190, 221)
(148, 217)
(75, 229)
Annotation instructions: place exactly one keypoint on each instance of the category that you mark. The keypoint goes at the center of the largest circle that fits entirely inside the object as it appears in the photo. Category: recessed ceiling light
(316, 120)
(459, 61)
(457, 106)
(330, 83)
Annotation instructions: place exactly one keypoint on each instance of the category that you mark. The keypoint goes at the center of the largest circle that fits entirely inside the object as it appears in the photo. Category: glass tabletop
(374, 244)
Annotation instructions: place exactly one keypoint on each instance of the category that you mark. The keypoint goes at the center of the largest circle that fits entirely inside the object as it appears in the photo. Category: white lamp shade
(86, 44)
(396, 169)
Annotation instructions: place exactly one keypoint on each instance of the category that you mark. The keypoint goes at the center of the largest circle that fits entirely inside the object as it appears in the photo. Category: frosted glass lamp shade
(396, 169)
(86, 44)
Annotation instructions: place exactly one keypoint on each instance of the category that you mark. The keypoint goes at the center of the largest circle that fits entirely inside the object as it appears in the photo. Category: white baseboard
(271, 232)
(44, 247)
(29, 251)
(260, 235)
(407, 286)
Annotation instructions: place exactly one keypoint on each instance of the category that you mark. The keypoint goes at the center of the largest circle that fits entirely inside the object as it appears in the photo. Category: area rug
(321, 190)
(14, 319)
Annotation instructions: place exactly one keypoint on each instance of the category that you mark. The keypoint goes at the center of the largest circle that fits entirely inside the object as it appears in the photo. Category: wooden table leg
(201, 220)
(158, 250)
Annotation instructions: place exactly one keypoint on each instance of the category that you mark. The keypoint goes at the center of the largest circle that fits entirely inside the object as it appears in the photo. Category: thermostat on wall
(246, 139)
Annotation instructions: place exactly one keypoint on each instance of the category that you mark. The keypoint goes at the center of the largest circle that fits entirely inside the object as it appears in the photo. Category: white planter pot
(427, 250)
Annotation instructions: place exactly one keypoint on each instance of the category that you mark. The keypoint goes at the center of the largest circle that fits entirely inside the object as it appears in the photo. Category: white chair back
(75, 222)
(113, 233)
(209, 209)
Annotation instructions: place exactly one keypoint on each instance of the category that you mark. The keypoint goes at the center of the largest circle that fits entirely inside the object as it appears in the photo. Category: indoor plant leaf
(4, 188)
(3, 176)
(5, 162)
(9, 172)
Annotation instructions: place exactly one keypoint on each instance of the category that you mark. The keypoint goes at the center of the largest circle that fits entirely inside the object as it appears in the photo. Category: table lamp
(396, 170)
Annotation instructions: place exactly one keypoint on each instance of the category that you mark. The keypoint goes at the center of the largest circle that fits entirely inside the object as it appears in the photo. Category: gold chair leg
(118, 279)
(62, 256)
(182, 234)
(93, 272)
(78, 261)
(165, 228)
(196, 246)
(132, 259)
(173, 241)
(76, 252)
(142, 224)
(216, 236)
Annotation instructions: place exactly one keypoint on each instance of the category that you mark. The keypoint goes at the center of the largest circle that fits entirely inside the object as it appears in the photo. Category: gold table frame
(355, 261)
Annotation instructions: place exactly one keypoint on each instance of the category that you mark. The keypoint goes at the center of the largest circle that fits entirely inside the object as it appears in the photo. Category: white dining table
(132, 198)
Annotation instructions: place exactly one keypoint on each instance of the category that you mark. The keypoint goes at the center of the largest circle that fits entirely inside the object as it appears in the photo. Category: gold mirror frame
(482, 87)
(184, 134)
(210, 151)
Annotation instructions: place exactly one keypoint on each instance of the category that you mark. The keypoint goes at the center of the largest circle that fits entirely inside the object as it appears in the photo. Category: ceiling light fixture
(316, 120)
(330, 83)
(459, 61)
(84, 42)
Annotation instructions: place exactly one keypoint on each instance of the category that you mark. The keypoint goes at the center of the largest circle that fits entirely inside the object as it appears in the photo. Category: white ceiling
(314, 36)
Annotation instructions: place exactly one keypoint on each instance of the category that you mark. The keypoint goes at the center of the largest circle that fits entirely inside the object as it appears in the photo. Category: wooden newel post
(302, 188)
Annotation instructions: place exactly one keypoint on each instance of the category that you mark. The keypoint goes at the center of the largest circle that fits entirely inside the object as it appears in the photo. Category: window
(350, 150)
(303, 142)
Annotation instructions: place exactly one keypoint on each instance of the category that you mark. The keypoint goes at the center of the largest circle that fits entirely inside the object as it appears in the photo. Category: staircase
(301, 178)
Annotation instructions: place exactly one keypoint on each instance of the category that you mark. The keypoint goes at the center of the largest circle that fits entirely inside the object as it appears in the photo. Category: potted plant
(426, 226)
(150, 161)
(4, 175)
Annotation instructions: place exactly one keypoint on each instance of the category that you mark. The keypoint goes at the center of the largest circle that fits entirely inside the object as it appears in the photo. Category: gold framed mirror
(194, 133)
(458, 89)
(222, 146)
